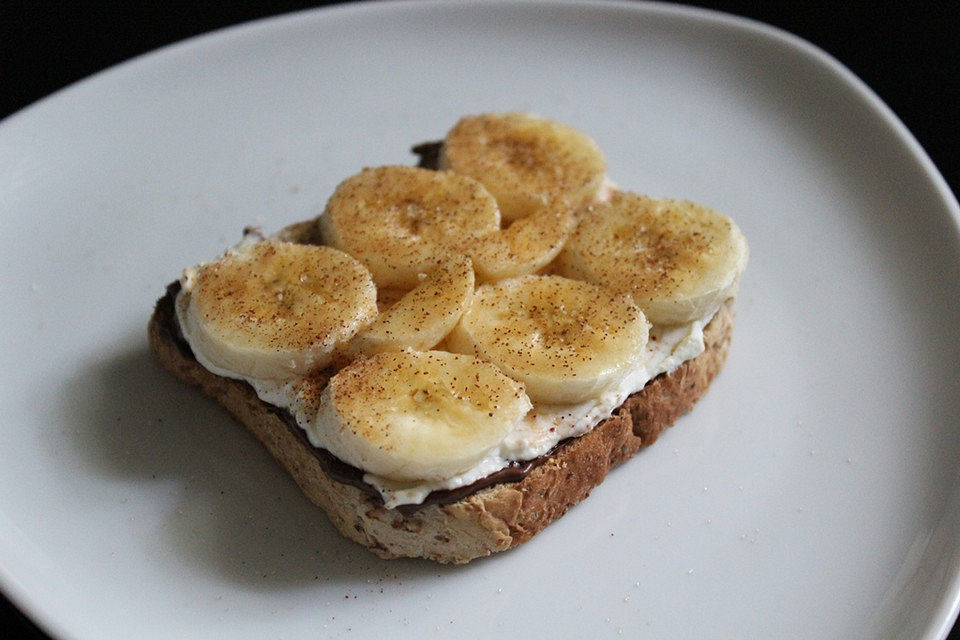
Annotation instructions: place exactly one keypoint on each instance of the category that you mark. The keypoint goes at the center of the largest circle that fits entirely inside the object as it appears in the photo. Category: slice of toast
(452, 528)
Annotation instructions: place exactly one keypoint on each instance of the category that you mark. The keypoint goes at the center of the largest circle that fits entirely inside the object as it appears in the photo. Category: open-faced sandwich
(452, 355)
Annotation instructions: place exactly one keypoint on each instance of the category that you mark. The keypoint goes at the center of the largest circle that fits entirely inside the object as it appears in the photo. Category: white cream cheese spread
(536, 434)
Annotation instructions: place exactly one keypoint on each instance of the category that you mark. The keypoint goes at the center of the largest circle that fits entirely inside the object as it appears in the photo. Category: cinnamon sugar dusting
(443, 301)
(527, 162)
(274, 295)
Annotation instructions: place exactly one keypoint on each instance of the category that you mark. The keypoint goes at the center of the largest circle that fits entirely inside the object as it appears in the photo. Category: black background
(907, 52)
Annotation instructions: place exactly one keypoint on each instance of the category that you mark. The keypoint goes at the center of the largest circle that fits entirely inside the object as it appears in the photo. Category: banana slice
(566, 340)
(417, 415)
(525, 161)
(525, 247)
(679, 260)
(424, 316)
(402, 221)
(274, 310)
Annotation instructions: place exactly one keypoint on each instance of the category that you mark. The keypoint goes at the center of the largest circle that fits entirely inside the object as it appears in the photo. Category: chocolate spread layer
(338, 469)
(429, 153)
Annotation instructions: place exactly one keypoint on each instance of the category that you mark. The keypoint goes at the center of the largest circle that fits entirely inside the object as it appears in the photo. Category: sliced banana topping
(422, 317)
(565, 340)
(274, 310)
(401, 221)
(526, 246)
(516, 197)
(679, 260)
(525, 161)
(412, 415)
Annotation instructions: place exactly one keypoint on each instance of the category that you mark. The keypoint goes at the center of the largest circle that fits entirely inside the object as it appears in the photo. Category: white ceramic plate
(813, 493)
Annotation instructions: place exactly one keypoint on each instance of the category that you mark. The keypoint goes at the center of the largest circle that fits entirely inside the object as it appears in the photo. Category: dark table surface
(907, 52)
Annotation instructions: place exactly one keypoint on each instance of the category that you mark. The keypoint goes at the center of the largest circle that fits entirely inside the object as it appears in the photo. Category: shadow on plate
(227, 505)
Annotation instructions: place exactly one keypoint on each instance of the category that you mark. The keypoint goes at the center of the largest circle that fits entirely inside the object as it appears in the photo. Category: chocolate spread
(429, 153)
(339, 470)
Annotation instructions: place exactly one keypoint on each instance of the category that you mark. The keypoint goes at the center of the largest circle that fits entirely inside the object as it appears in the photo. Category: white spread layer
(547, 425)
(535, 435)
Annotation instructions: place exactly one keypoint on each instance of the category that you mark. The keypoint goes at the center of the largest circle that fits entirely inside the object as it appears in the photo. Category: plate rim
(13, 588)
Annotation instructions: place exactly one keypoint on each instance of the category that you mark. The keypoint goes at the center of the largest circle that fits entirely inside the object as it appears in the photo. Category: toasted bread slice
(455, 527)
